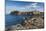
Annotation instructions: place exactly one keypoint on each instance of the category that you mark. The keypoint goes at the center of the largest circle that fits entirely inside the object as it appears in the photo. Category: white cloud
(31, 6)
(9, 9)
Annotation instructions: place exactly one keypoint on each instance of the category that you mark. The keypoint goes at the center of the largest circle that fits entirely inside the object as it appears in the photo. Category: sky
(23, 6)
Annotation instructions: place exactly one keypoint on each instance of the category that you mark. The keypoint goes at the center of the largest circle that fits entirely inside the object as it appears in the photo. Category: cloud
(31, 6)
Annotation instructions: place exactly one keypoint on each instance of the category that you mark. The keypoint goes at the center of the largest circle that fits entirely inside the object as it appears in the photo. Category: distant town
(35, 12)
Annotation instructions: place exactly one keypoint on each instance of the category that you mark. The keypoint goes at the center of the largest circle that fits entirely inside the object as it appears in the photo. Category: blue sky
(23, 6)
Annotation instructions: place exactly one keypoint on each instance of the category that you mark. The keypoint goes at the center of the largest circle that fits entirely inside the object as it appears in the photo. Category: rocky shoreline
(36, 22)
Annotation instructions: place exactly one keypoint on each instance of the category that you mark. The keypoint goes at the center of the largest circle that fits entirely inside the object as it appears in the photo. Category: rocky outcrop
(33, 23)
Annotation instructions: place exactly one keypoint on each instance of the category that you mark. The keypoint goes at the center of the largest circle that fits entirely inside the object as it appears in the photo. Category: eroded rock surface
(32, 23)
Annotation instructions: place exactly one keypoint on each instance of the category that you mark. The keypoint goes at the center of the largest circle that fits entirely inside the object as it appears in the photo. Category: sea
(14, 19)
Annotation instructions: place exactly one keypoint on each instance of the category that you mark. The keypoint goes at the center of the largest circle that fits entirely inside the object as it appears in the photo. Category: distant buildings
(35, 12)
